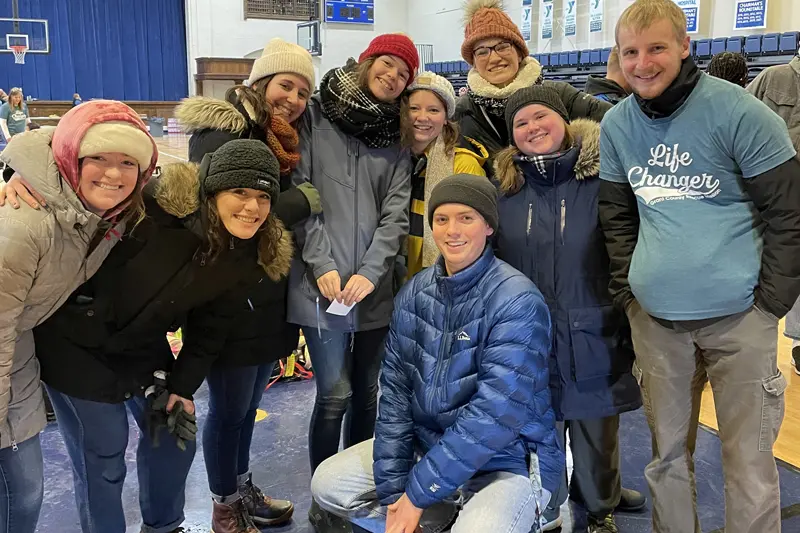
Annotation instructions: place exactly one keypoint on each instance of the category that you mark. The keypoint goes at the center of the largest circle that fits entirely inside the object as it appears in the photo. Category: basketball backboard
(34, 33)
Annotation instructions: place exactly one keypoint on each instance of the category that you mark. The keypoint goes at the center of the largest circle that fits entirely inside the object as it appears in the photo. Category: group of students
(514, 271)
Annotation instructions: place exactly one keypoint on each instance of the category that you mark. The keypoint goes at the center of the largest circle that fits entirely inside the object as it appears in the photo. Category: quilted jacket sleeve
(393, 449)
(510, 374)
(18, 262)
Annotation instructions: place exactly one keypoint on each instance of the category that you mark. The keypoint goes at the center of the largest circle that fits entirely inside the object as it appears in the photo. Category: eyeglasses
(502, 48)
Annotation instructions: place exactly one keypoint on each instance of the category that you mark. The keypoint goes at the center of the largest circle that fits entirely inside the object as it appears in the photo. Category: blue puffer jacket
(464, 383)
(550, 231)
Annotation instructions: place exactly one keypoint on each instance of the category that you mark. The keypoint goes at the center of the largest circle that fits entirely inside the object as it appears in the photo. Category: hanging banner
(570, 18)
(750, 14)
(546, 19)
(595, 16)
(526, 20)
(691, 8)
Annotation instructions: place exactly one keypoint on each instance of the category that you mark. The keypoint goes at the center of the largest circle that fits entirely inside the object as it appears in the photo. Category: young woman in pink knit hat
(90, 171)
(350, 151)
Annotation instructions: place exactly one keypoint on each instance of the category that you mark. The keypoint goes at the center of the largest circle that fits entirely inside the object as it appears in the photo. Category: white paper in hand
(340, 309)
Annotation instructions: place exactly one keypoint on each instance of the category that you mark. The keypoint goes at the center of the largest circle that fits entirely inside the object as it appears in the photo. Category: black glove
(181, 425)
(156, 416)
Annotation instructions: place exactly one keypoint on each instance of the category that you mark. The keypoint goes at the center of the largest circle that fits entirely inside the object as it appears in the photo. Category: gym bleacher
(575, 66)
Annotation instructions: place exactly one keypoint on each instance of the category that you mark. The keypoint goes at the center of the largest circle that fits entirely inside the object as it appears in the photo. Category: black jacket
(260, 333)
(105, 343)
(473, 122)
(605, 89)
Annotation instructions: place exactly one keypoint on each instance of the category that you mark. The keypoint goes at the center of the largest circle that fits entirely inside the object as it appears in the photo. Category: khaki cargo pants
(738, 355)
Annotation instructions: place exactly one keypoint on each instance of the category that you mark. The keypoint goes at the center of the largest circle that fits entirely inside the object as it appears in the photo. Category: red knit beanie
(394, 44)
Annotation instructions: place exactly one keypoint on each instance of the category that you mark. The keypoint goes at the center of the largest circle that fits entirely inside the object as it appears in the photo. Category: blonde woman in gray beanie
(438, 150)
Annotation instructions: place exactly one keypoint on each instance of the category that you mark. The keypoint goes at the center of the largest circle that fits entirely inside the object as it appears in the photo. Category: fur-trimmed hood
(178, 193)
(587, 137)
(200, 112)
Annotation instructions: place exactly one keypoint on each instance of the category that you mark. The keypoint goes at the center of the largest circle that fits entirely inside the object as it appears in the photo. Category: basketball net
(19, 53)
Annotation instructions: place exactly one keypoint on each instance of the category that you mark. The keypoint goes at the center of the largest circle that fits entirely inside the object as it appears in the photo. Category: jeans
(346, 366)
(21, 486)
(792, 327)
(234, 396)
(96, 436)
(496, 502)
(738, 355)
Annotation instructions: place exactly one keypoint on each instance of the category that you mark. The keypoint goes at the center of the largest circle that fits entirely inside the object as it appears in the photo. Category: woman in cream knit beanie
(439, 151)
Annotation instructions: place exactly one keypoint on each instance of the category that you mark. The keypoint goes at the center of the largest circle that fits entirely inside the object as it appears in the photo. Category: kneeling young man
(466, 432)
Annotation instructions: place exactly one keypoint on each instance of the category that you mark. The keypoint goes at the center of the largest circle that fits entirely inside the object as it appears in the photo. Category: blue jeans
(346, 367)
(96, 436)
(21, 486)
(792, 327)
(234, 396)
(500, 502)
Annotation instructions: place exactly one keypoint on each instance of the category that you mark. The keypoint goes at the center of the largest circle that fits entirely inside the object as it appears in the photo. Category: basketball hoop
(19, 53)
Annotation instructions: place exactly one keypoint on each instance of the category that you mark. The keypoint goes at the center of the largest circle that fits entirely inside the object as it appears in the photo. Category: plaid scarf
(541, 162)
(355, 111)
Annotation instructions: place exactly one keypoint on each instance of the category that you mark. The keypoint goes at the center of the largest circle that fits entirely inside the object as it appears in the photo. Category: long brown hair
(450, 131)
(362, 70)
(217, 236)
(256, 96)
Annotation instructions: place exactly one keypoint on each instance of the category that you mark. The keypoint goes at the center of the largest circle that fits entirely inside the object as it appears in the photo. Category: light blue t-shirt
(700, 237)
(16, 119)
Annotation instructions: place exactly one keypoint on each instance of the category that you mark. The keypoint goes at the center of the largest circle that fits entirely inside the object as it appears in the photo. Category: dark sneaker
(603, 524)
(325, 522)
(549, 520)
(631, 501)
(795, 359)
(264, 511)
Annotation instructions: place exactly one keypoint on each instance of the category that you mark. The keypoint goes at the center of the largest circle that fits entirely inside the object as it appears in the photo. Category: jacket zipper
(11, 433)
(530, 219)
(563, 218)
(440, 360)
(352, 153)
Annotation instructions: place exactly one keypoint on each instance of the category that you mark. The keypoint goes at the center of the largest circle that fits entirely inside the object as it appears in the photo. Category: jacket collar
(463, 281)
(32, 157)
(674, 96)
(795, 64)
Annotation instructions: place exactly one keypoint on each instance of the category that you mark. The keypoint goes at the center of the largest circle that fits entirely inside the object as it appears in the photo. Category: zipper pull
(563, 217)
(530, 219)
(14, 445)
(231, 245)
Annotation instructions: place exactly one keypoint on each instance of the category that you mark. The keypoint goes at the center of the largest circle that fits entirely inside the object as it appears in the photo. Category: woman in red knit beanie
(350, 151)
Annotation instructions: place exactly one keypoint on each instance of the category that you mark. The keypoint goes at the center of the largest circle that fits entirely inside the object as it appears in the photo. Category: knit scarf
(440, 166)
(492, 98)
(356, 111)
(282, 141)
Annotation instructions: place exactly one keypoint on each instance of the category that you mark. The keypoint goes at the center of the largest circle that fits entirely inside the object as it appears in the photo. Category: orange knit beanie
(485, 19)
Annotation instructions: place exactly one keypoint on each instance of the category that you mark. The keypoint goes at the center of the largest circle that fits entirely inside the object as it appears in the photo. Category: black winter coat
(473, 122)
(260, 333)
(105, 343)
(550, 231)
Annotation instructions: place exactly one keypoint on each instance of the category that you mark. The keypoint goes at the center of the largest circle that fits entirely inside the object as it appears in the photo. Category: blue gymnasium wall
(115, 49)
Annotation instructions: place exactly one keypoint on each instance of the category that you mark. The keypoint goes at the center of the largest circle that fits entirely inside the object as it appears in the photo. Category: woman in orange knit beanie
(494, 47)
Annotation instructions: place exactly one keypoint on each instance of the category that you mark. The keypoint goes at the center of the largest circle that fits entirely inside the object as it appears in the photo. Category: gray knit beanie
(241, 163)
(473, 191)
(536, 94)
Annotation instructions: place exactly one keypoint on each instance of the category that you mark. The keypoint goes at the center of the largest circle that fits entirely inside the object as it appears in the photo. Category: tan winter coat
(42, 261)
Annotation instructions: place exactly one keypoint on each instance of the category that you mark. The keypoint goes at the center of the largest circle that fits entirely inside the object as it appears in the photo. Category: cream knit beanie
(118, 136)
(439, 85)
(280, 56)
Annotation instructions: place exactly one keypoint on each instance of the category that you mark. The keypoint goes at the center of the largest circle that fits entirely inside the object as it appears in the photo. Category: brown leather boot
(264, 511)
(232, 518)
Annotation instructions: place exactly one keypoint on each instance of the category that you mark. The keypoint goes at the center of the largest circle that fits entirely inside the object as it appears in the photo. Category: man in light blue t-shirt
(700, 204)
